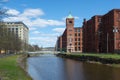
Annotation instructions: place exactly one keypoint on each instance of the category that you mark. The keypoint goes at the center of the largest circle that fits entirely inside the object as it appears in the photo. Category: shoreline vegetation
(12, 68)
(107, 59)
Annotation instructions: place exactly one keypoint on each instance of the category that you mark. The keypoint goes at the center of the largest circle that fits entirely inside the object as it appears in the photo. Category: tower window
(70, 21)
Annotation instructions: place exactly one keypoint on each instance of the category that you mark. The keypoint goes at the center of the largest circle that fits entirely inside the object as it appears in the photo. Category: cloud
(76, 17)
(43, 41)
(31, 17)
(32, 13)
(59, 30)
(13, 12)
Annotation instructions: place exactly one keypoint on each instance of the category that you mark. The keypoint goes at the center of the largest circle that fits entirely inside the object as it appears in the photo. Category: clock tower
(70, 33)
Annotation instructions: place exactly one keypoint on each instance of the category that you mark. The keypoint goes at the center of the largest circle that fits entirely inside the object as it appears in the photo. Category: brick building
(101, 33)
(110, 31)
(71, 39)
(91, 35)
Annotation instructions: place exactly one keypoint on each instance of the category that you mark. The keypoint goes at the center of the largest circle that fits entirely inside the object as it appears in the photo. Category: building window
(78, 39)
(70, 29)
(79, 34)
(70, 40)
(99, 20)
(16, 28)
(70, 21)
(75, 48)
(75, 30)
(78, 30)
(12, 29)
(79, 43)
(75, 43)
(75, 34)
(118, 19)
(75, 39)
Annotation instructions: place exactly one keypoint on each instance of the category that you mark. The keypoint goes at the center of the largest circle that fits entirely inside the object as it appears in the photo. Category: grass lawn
(113, 56)
(10, 70)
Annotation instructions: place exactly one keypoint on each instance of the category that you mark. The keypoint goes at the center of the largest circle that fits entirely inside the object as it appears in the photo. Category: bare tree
(8, 40)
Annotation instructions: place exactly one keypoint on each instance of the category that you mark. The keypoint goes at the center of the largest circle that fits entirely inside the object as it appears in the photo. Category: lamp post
(107, 42)
(115, 30)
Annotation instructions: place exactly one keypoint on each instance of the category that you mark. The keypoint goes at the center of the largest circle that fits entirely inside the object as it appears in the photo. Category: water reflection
(55, 68)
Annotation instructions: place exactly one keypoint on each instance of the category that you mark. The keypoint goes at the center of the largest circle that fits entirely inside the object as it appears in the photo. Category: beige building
(20, 30)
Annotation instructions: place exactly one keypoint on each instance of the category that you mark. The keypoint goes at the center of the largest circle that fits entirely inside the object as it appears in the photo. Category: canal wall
(86, 58)
(22, 63)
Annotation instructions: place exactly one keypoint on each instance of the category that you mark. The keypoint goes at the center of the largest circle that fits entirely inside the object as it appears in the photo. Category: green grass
(113, 56)
(10, 70)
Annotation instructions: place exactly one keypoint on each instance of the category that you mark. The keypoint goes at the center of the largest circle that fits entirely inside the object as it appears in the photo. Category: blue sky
(46, 18)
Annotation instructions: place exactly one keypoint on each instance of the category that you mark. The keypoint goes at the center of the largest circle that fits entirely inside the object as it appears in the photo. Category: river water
(50, 67)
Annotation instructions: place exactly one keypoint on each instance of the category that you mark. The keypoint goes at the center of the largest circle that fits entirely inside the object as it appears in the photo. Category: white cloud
(43, 41)
(13, 12)
(31, 17)
(32, 13)
(76, 17)
(59, 30)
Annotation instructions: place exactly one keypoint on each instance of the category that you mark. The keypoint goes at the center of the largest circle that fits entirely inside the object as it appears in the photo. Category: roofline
(17, 22)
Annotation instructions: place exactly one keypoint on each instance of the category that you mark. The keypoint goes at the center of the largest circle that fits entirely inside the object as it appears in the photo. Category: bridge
(36, 53)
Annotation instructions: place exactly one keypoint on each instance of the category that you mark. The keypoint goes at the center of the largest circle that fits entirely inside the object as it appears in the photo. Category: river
(50, 67)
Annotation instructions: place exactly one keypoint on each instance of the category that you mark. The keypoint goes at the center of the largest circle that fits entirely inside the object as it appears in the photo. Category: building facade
(91, 34)
(71, 39)
(102, 33)
(20, 30)
(110, 32)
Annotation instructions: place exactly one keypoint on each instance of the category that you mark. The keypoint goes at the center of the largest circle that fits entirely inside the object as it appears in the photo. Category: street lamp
(115, 30)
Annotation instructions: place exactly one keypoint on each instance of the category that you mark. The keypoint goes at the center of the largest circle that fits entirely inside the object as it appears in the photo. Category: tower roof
(70, 16)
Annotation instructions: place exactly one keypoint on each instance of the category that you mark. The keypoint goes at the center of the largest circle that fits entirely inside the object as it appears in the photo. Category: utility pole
(107, 42)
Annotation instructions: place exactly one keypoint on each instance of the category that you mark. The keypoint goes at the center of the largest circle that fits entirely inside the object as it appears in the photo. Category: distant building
(71, 39)
(20, 30)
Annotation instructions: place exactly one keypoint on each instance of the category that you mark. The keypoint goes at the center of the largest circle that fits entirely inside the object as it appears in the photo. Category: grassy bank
(10, 70)
(112, 56)
(109, 59)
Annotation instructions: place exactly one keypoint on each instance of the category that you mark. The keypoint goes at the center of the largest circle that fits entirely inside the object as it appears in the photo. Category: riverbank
(109, 59)
(10, 69)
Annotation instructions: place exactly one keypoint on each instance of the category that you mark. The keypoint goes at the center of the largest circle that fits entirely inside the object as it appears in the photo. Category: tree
(3, 14)
(34, 48)
(8, 40)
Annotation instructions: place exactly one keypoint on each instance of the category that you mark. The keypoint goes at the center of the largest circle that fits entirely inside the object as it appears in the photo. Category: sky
(46, 18)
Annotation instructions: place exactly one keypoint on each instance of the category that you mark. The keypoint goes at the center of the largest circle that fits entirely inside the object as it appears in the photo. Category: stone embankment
(22, 62)
(87, 58)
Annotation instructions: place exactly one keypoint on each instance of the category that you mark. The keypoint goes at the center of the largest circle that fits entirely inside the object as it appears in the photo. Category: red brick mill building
(71, 39)
(100, 34)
